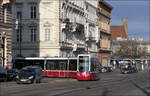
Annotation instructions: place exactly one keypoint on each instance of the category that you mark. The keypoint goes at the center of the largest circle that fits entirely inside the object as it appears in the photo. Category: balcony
(105, 45)
(66, 45)
(103, 13)
(75, 6)
(81, 46)
(90, 38)
(104, 49)
(104, 27)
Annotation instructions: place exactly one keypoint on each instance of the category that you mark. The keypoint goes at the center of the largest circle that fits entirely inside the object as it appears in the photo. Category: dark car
(109, 69)
(29, 74)
(102, 69)
(3, 74)
(125, 70)
(133, 69)
(106, 69)
(12, 73)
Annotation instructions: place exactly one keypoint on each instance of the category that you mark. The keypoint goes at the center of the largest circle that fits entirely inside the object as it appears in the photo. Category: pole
(20, 41)
(18, 28)
(45, 66)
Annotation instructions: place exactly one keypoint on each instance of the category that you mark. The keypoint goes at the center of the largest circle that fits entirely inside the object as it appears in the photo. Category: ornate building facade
(92, 31)
(5, 33)
(104, 16)
(53, 28)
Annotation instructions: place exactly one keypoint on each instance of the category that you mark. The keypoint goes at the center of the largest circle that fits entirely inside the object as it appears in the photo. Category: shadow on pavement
(142, 89)
(105, 92)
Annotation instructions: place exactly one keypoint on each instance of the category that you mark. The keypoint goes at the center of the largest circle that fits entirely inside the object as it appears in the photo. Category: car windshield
(26, 72)
(13, 71)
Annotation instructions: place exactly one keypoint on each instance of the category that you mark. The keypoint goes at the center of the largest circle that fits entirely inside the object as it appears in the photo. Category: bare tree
(130, 49)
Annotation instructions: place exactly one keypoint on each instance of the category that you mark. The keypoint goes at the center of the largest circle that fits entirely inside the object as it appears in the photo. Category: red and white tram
(87, 67)
(52, 67)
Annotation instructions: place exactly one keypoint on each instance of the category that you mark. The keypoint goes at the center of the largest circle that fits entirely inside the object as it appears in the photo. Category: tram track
(107, 83)
(64, 88)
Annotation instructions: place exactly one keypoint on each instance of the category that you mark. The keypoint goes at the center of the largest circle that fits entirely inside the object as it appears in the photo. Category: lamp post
(19, 30)
(44, 66)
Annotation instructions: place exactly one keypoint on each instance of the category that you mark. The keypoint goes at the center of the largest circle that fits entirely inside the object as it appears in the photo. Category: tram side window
(56, 65)
(63, 66)
(19, 64)
(39, 63)
(50, 65)
(73, 65)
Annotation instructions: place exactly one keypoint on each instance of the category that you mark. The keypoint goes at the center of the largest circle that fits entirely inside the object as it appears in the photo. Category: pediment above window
(47, 24)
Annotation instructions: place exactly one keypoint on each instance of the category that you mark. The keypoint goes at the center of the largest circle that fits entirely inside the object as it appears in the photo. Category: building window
(33, 34)
(33, 12)
(4, 14)
(47, 34)
(19, 15)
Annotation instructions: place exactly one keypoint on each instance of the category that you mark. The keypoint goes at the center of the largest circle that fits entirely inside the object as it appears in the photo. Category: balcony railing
(65, 44)
(90, 38)
(105, 44)
(80, 46)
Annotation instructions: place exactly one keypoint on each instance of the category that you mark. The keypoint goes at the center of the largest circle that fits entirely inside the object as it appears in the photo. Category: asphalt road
(112, 83)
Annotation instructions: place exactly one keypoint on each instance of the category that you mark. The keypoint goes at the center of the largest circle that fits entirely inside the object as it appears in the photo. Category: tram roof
(130, 59)
(43, 58)
(90, 55)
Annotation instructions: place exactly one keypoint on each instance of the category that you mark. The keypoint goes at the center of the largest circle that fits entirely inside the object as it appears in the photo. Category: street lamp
(19, 30)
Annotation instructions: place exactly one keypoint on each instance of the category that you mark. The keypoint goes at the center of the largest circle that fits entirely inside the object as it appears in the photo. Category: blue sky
(138, 14)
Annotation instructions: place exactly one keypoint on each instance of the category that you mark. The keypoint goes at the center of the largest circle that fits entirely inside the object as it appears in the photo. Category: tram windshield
(83, 63)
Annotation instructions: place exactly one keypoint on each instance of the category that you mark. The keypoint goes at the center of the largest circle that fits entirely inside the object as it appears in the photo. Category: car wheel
(5, 79)
(33, 81)
(17, 82)
(37, 81)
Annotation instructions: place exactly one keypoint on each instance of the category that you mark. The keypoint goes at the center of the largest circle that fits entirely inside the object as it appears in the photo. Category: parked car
(103, 69)
(109, 69)
(3, 74)
(12, 73)
(125, 70)
(133, 69)
(29, 74)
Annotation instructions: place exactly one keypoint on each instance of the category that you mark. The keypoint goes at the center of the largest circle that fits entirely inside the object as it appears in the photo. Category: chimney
(125, 24)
